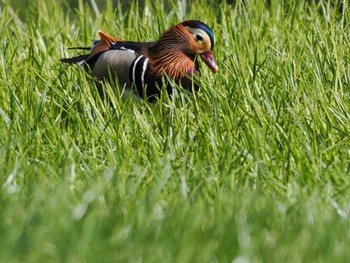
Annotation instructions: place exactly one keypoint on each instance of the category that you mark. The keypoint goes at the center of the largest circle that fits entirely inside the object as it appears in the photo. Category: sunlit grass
(253, 168)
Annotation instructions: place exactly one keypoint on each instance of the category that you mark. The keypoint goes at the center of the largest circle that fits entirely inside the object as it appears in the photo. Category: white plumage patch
(139, 69)
(134, 67)
(81, 63)
(127, 49)
(144, 67)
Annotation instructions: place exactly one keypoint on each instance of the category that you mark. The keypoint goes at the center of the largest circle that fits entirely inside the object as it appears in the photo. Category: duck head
(178, 47)
(201, 42)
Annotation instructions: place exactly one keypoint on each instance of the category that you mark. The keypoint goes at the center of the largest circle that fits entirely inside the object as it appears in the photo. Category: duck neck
(168, 55)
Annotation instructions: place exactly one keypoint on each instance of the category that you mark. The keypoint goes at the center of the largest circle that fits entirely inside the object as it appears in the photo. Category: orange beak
(209, 60)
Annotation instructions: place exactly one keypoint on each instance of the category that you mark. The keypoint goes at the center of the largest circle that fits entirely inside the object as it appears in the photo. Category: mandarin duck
(140, 66)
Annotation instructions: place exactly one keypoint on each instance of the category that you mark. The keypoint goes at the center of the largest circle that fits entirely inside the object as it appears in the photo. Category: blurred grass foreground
(252, 168)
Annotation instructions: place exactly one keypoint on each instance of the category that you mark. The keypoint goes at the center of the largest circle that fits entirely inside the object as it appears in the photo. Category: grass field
(253, 168)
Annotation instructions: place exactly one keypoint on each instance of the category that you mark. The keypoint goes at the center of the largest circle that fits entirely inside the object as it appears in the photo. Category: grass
(253, 168)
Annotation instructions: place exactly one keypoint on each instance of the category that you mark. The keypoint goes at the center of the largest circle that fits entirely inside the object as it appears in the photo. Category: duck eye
(199, 38)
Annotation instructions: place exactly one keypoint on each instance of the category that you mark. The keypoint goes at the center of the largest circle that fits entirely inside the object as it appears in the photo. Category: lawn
(255, 167)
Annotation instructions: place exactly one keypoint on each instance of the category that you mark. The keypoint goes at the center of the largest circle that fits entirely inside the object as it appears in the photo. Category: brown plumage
(172, 59)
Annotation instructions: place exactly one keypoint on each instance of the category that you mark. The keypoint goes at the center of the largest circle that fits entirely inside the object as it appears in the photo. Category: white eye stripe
(199, 32)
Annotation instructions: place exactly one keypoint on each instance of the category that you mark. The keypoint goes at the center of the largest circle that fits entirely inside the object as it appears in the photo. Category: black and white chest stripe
(137, 73)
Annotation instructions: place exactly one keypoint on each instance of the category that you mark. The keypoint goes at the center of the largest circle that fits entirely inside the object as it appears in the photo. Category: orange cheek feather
(199, 47)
